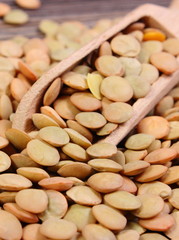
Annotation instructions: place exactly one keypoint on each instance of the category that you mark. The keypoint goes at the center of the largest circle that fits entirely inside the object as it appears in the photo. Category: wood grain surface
(87, 11)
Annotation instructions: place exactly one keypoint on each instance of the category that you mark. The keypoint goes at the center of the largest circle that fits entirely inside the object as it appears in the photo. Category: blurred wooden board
(87, 11)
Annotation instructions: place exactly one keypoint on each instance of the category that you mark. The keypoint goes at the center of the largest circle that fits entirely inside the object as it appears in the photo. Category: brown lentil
(75, 169)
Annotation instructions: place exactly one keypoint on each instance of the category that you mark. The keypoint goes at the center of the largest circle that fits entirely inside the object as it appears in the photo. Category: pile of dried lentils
(58, 182)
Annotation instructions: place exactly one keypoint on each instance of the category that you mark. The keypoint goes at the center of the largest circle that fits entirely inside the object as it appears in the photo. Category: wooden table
(87, 11)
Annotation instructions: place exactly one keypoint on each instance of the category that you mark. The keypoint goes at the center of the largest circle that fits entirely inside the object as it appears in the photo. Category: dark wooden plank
(87, 11)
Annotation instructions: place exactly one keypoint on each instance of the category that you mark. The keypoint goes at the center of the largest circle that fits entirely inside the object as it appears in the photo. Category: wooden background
(87, 11)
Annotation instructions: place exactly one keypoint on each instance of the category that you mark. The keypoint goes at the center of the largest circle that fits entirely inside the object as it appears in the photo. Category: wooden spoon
(155, 16)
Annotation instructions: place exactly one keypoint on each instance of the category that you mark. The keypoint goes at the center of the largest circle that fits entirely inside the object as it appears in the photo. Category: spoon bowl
(155, 16)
